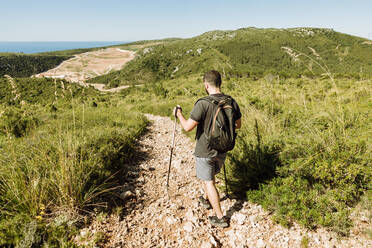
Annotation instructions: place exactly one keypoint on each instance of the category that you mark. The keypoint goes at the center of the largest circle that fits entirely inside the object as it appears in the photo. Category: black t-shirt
(203, 113)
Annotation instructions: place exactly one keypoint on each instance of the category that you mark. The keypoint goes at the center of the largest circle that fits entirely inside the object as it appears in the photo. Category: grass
(62, 166)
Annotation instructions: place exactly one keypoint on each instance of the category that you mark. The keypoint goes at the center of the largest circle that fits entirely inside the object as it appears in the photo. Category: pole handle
(177, 108)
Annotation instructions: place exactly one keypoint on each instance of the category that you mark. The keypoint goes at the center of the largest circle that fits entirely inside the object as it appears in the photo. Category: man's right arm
(187, 125)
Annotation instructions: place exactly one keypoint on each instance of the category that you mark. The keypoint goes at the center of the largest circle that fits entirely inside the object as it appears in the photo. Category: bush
(18, 122)
(28, 65)
(67, 166)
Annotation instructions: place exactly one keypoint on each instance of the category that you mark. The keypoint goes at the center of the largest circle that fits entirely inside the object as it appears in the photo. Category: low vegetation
(17, 65)
(59, 158)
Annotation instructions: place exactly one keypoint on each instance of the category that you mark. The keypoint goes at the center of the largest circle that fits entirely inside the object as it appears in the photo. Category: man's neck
(214, 91)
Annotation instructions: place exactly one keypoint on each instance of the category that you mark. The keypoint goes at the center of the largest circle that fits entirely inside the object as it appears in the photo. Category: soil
(91, 64)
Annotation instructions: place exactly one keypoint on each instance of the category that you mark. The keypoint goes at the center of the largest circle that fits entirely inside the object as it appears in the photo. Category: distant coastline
(29, 47)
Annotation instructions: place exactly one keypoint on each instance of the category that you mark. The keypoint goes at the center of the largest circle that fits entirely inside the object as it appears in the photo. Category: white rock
(189, 239)
(213, 241)
(83, 232)
(240, 218)
(230, 233)
(317, 240)
(260, 243)
(240, 236)
(286, 239)
(190, 216)
(206, 244)
(171, 220)
(188, 227)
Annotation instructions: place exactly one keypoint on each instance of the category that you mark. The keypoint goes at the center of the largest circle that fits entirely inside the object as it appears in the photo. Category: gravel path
(177, 220)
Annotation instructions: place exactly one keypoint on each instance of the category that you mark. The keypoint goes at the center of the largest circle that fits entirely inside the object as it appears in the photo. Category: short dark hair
(213, 78)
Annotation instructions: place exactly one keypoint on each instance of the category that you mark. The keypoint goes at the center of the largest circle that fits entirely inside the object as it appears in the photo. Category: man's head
(213, 79)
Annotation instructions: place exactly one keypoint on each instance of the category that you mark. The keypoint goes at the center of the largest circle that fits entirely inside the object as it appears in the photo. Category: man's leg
(213, 197)
(205, 195)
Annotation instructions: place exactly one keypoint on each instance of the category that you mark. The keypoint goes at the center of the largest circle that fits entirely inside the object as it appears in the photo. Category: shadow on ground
(123, 182)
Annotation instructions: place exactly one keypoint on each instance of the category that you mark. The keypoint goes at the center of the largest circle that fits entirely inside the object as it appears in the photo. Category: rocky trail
(177, 220)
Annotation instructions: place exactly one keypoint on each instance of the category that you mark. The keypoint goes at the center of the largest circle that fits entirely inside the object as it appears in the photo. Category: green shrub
(18, 122)
(16, 65)
(66, 166)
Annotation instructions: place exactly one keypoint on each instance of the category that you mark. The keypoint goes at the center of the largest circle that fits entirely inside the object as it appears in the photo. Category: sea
(49, 46)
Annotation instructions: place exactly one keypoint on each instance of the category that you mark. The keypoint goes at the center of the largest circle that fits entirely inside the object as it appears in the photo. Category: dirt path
(179, 221)
(101, 87)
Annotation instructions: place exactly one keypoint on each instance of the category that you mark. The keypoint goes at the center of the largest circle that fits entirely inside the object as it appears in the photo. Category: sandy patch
(90, 64)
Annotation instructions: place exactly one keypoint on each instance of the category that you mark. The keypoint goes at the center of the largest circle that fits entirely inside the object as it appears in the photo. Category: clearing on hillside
(90, 64)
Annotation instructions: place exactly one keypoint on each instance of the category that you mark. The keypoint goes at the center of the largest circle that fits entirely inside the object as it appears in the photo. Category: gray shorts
(207, 168)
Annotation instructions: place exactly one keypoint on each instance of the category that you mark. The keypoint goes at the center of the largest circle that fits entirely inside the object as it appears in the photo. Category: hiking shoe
(218, 222)
(204, 202)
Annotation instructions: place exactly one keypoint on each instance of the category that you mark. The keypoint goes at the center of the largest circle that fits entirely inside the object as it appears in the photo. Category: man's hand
(177, 110)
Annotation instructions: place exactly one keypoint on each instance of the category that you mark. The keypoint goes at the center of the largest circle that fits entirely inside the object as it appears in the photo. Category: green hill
(250, 52)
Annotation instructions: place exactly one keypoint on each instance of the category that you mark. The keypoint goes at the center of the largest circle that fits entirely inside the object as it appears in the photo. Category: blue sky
(114, 20)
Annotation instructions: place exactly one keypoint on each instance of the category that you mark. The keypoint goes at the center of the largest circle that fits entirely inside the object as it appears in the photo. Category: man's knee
(210, 183)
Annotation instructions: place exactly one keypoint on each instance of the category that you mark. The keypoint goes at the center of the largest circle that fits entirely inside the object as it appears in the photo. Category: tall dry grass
(52, 177)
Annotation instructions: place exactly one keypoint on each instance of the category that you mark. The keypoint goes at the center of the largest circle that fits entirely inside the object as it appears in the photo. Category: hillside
(26, 65)
(250, 52)
(20, 65)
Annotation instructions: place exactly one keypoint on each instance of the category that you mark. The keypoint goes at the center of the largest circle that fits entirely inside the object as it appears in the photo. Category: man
(208, 161)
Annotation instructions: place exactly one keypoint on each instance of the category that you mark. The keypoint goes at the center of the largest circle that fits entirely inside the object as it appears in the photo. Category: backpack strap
(224, 103)
(216, 114)
(208, 99)
(214, 100)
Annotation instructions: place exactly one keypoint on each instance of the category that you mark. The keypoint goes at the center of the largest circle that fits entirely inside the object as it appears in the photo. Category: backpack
(221, 136)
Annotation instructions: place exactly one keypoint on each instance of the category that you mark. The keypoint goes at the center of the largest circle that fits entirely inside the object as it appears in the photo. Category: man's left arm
(238, 122)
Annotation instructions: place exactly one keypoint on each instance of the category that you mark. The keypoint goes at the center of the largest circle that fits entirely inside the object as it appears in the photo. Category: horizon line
(66, 41)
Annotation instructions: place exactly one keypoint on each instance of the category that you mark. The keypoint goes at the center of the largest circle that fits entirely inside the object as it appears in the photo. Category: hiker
(208, 161)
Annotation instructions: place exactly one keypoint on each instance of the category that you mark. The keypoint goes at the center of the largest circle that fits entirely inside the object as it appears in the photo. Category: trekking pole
(172, 147)
(224, 172)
